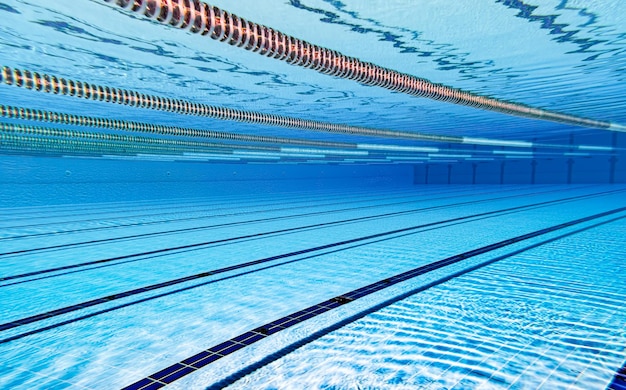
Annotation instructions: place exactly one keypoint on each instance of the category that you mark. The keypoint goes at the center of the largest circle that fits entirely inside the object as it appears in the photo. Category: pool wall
(576, 169)
(71, 180)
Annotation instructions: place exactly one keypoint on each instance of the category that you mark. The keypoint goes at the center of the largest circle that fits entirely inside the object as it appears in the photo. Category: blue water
(124, 253)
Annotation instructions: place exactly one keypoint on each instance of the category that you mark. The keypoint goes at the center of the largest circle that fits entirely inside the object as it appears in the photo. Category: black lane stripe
(619, 380)
(94, 302)
(70, 269)
(248, 272)
(291, 197)
(209, 206)
(22, 251)
(325, 331)
(256, 235)
(108, 208)
(206, 216)
(233, 214)
(210, 355)
(206, 206)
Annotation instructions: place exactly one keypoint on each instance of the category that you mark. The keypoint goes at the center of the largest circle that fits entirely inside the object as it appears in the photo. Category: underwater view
(312, 194)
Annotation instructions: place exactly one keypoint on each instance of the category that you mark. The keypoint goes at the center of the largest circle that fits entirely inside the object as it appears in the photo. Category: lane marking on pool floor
(147, 255)
(362, 241)
(216, 352)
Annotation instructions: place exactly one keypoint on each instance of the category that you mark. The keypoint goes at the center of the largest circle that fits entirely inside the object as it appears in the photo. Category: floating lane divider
(61, 86)
(22, 113)
(52, 141)
(12, 112)
(54, 133)
(34, 138)
(201, 18)
(214, 353)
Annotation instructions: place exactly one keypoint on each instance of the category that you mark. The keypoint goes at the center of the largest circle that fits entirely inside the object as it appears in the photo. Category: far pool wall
(603, 169)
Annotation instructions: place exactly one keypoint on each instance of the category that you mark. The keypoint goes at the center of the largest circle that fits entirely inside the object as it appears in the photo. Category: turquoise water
(185, 212)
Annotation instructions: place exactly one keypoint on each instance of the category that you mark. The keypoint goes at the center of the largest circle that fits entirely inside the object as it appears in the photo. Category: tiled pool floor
(103, 295)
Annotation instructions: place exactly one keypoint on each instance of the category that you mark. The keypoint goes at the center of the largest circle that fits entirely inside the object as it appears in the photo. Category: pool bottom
(275, 255)
(550, 318)
(206, 357)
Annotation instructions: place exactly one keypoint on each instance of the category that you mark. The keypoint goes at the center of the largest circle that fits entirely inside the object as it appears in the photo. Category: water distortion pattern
(200, 18)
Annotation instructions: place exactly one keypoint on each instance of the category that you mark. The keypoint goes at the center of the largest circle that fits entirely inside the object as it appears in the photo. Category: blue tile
(343, 299)
(166, 371)
(617, 386)
(248, 338)
(189, 361)
(220, 347)
(226, 348)
(357, 294)
(331, 304)
(139, 385)
(153, 386)
(231, 349)
(320, 309)
(273, 329)
(305, 316)
(178, 374)
(291, 323)
(210, 358)
(281, 321)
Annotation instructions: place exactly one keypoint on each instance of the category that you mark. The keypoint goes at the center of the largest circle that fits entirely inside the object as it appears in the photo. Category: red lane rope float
(61, 86)
(201, 18)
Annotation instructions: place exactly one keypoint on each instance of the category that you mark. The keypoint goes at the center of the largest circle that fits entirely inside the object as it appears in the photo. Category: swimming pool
(391, 195)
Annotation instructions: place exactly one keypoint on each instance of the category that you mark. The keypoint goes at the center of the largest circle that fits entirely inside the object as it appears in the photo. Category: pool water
(436, 202)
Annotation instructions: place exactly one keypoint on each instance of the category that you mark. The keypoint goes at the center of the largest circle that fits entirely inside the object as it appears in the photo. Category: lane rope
(201, 18)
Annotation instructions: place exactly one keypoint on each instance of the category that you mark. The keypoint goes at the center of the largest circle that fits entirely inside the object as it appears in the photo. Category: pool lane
(121, 295)
(548, 317)
(271, 214)
(70, 287)
(100, 346)
(203, 358)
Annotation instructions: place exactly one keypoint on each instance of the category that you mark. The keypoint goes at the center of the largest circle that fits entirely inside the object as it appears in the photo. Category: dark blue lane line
(108, 208)
(416, 198)
(241, 238)
(97, 264)
(619, 380)
(98, 301)
(208, 215)
(234, 276)
(196, 228)
(90, 267)
(333, 327)
(208, 207)
(292, 197)
(212, 354)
